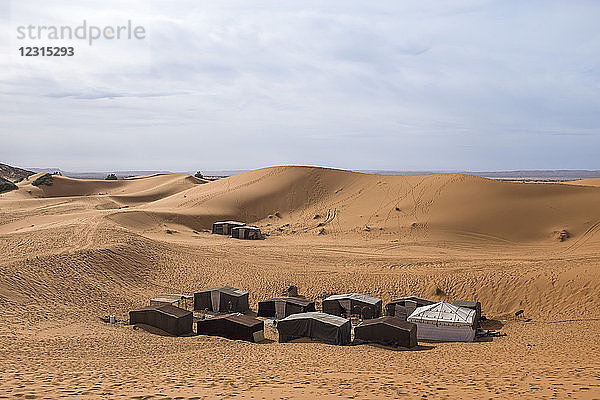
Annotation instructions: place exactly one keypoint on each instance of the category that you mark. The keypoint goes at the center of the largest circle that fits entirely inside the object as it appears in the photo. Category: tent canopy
(316, 325)
(443, 313)
(221, 299)
(171, 319)
(232, 326)
(388, 331)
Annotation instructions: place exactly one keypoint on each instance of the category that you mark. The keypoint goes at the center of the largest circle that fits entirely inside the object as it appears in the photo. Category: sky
(396, 85)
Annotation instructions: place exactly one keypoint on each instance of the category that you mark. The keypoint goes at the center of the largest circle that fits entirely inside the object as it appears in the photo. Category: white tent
(444, 322)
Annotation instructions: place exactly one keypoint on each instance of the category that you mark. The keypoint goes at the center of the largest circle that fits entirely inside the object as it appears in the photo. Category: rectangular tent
(171, 319)
(246, 232)
(282, 307)
(444, 322)
(405, 306)
(225, 227)
(232, 326)
(221, 299)
(390, 331)
(319, 326)
(353, 304)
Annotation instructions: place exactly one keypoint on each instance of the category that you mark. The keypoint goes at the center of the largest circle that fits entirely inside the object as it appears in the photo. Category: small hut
(221, 299)
(232, 326)
(389, 331)
(444, 322)
(353, 304)
(246, 232)
(319, 326)
(279, 308)
(171, 319)
(225, 227)
(405, 306)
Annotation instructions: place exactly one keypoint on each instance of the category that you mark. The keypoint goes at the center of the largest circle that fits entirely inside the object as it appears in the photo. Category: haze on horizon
(461, 86)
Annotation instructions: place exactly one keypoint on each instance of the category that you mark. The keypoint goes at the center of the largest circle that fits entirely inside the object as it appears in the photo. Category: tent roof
(254, 228)
(226, 289)
(167, 309)
(443, 313)
(293, 300)
(392, 321)
(355, 296)
(230, 223)
(413, 298)
(466, 303)
(319, 316)
(240, 319)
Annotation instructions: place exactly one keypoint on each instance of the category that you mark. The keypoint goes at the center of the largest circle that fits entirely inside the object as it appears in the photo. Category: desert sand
(82, 249)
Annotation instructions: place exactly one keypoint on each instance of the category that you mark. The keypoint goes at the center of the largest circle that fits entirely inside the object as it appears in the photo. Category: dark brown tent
(353, 304)
(389, 331)
(221, 299)
(282, 307)
(315, 325)
(225, 227)
(171, 319)
(246, 232)
(232, 326)
(404, 306)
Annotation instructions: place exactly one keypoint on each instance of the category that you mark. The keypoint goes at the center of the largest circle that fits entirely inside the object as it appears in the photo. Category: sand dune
(452, 207)
(595, 182)
(132, 190)
(81, 249)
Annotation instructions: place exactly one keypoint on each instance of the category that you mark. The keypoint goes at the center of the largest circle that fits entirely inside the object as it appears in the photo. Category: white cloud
(400, 85)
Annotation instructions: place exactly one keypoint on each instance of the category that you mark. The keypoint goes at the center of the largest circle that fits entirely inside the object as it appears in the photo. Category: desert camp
(225, 227)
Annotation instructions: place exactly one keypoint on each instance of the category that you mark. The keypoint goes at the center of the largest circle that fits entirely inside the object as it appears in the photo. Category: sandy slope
(72, 254)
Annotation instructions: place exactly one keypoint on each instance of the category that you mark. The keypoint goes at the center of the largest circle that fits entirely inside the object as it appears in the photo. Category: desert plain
(78, 250)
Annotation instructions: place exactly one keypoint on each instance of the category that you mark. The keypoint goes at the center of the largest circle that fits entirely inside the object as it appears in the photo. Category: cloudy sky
(414, 85)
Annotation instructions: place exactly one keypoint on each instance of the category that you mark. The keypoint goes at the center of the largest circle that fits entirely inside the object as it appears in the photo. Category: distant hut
(171, 319)
(473, 305)
(353, 304)
(282, 307)
(221, 299)
(319, 326)
(232, 326)
(225, 227)
(246, 232)
(444, 322)
(389, 331)
(405, 306)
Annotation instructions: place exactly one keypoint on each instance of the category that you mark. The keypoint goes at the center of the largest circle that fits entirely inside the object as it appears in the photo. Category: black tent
(282, 307)
(171, 319)
(246, 232)
(225, 227)
(221, 299)
(353, 304)
(315, 325)
(232, 326)
(388, 331)
(404, 306)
